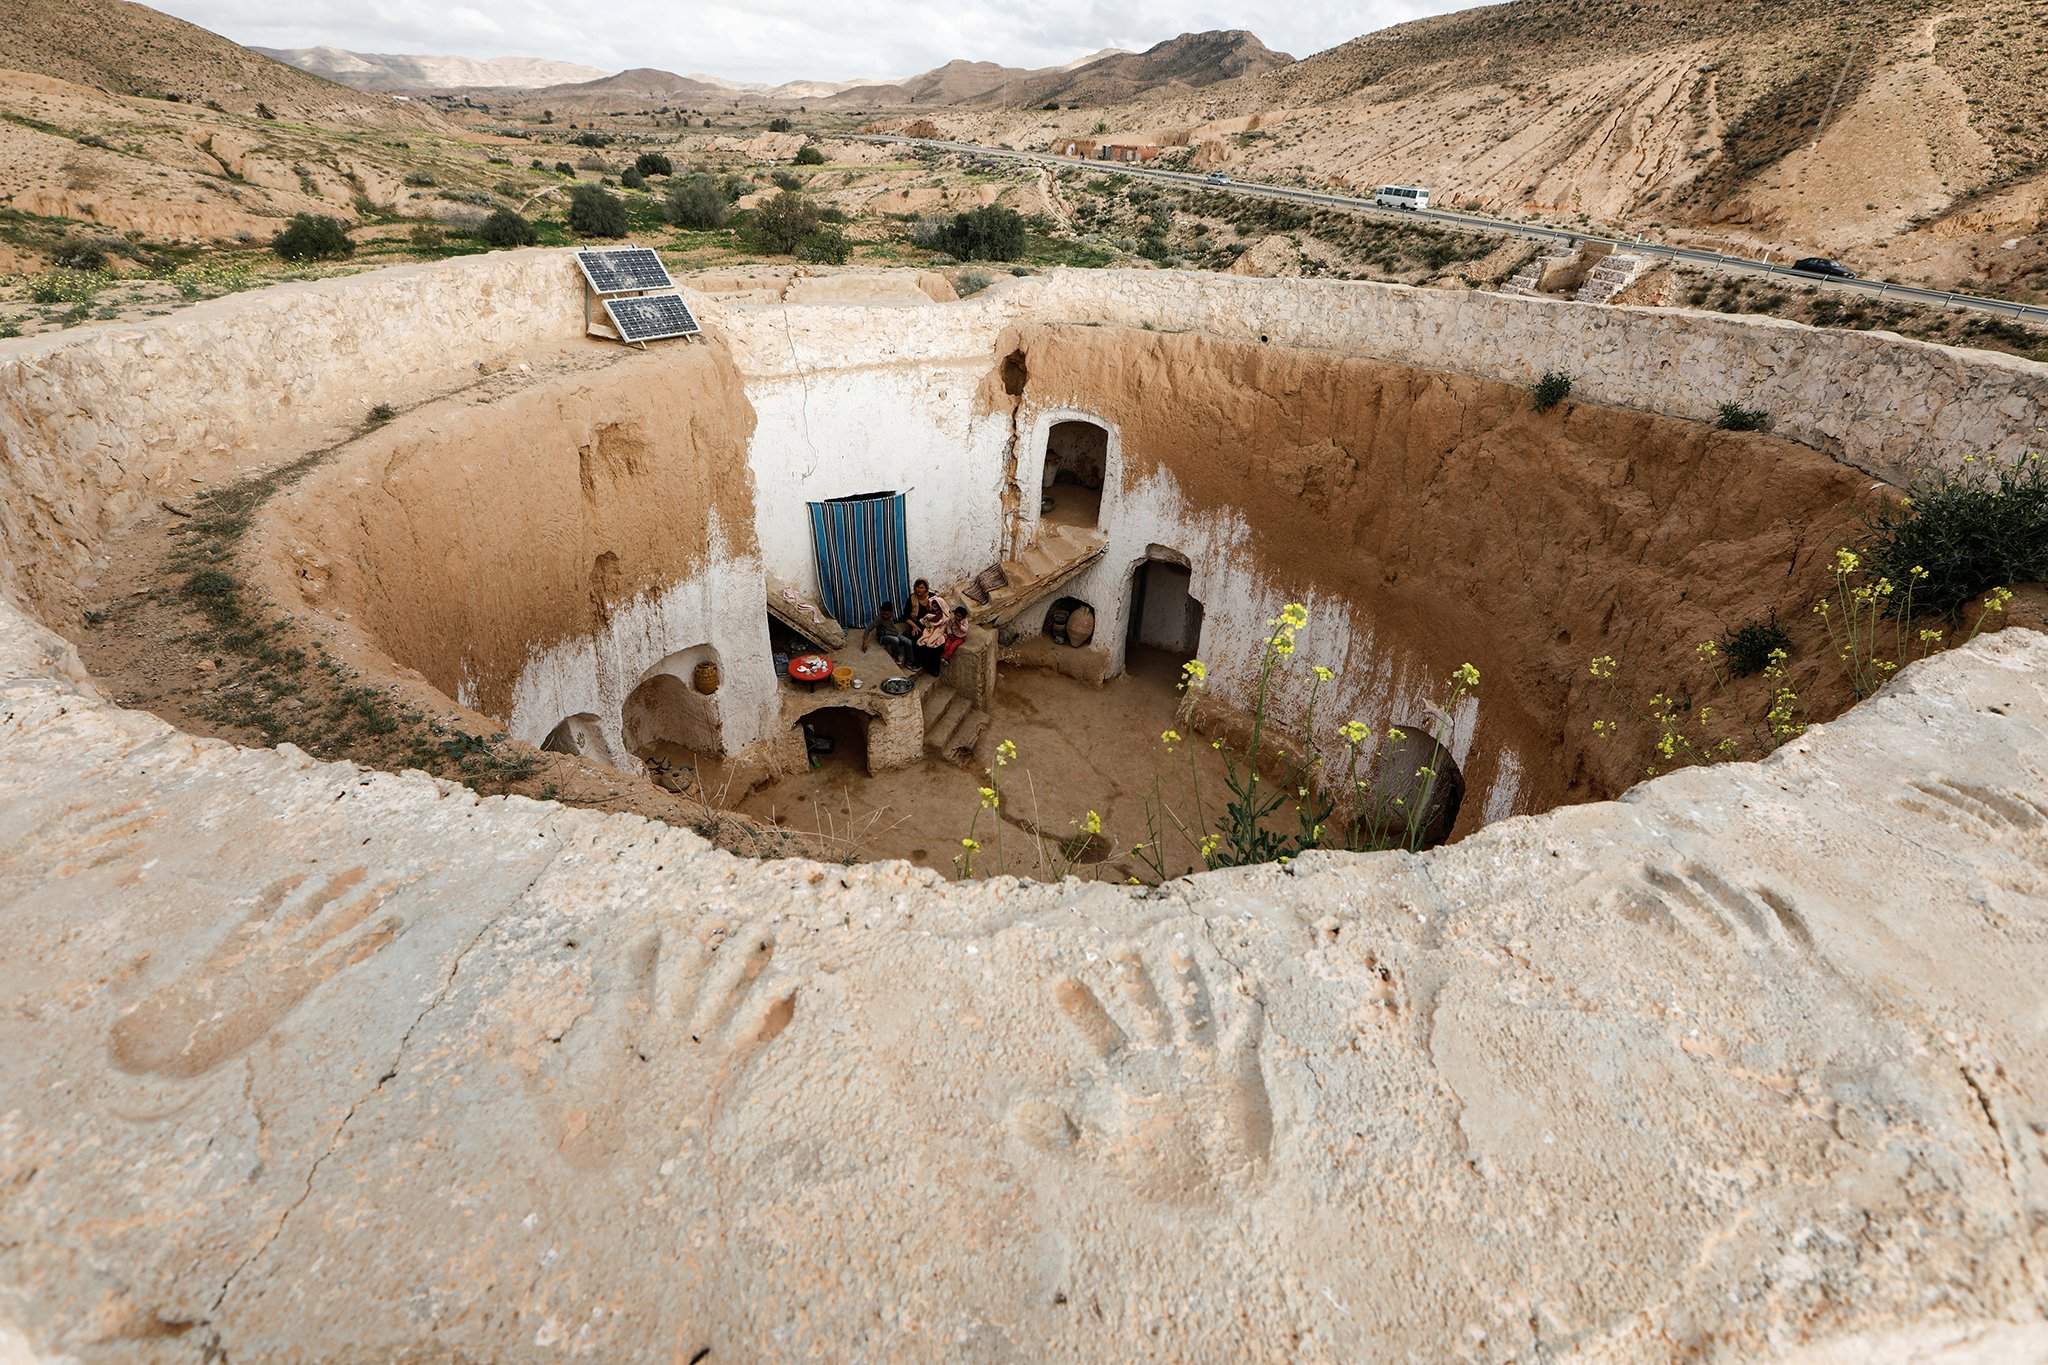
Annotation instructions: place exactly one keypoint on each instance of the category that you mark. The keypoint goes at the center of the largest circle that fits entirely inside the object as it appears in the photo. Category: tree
(312, 237)
(989, 233)
(594, 213)
(809, 155)
(825, 246)
(654, 163)
(506, 228)
(696, 202)
(782, 223)
(632, 179)
(780, 125)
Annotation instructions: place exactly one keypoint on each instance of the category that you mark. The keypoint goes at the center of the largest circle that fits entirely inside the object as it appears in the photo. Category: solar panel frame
(652, 317)
(620, 270)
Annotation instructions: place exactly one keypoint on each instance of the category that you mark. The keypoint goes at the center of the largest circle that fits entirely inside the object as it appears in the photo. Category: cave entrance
(673, 713)
(837, 737)
(1076, 463)
(582, 735)
(1163, 620)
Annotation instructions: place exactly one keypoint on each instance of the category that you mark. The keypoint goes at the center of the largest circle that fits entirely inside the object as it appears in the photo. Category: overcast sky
(776, 40)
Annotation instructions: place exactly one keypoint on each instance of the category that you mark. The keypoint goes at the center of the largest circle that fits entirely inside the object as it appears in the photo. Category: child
(956, 631)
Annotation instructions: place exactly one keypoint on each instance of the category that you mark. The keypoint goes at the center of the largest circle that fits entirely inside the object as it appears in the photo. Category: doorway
(1163, 628)
(1076, 464)
(836, 737)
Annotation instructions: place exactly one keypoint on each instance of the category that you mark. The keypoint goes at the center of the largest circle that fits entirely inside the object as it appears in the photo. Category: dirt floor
(1079, 748)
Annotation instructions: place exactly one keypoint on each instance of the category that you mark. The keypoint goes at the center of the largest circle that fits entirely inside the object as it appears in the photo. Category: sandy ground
(1079, 748)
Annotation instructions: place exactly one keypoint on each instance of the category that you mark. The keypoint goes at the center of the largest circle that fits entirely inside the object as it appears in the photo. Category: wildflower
(1210, 843)
(1928, 637)
(1396, 733)
(1846, 561)
(1282, 644)
(1603, 666)
(1193, 673)
(1091, 824)
(1006, 753)
(989, 799)
(1997, 599)
(1706, 649)
(1323, 674)
(971, 845)
(1169, 737)
(1916, 572)
(1466, 675)
(1293, 616)
(1820, 608)
(1603, 729)
(1354, 731)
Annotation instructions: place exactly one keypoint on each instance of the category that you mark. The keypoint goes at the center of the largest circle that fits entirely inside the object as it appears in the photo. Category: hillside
(1190, 61)
(129, 49)
(426, 71)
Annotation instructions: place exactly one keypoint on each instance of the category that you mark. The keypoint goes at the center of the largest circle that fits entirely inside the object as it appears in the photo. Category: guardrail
(1481, 223)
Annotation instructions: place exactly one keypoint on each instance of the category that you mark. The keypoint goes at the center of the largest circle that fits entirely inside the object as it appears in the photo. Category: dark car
(1821, 265)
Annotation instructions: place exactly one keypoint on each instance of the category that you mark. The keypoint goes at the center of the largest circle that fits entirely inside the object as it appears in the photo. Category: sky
(777, 40)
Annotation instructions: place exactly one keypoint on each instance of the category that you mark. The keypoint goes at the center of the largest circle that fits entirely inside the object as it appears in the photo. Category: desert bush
(420, 180)
(591, 140)
(970, 283)
(594, 163)
(780, 125)
(1553, 388)
(809, 155)
(1735, 417)
(632, 179)
(653, 163)
(564, 168)
(784, 180)
(1963, 532)
(68, 286)
(312, 237)
(696, 202)
(506, 228)
(988, 233)
(427, 236)
(781, 224)
(825, 246)
(594, 213)
(80, 255)
(1749, 647)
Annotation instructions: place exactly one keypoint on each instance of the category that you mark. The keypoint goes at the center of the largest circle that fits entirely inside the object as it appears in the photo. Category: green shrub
(68, 286)
(420, 180)
(1735, 417)
(988, 233)
(971, 283)
(780, 225)
(312, 237)
(786, 181)
(696, 202)
(506, 228)
(594, 213)
(632, 179)
(1748, 648)
(591, 140)
(564, 168)
(653, 163)
(1553, 388)
(80, 256)
(1963, 532)
(809, 155)
(780, 125)
(825, 246)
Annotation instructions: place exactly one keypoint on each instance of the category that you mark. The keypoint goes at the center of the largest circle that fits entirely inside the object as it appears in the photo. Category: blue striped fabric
(863, 556)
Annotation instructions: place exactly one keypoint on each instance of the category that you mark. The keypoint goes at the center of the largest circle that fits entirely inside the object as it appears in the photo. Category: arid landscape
(960, 710)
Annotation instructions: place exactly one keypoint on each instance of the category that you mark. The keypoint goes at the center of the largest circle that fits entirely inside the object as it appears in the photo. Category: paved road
(1476, 222)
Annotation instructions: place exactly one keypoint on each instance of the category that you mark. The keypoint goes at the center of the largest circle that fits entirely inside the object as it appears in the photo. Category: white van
(1401, 197)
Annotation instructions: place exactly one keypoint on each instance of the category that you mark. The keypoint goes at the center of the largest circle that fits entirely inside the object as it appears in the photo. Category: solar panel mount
(623, 270)
(651, 317)
(628, 296)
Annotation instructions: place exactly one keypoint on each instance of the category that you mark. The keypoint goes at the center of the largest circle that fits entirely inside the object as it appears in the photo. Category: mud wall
(537, 555)
(1430, 519)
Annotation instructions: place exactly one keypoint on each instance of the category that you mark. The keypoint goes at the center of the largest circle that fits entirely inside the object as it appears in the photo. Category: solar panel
(651, 317)
(631, 267)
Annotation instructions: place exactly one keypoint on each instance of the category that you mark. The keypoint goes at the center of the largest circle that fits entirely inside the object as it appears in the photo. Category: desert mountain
(425, 71)
(1190, 61)
(128, 49)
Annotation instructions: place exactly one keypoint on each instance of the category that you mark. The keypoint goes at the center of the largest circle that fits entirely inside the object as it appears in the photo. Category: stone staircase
(952, 724)
(1055, 556)
(1616, 272)
(1529, 279)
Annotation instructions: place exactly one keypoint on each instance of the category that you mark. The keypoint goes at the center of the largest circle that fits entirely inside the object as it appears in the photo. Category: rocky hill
(129, 49)
(1190, 61)
(426, 71)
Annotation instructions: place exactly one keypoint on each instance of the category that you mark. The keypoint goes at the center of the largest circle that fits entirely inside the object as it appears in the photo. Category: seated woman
(922, 600)
(931, 638)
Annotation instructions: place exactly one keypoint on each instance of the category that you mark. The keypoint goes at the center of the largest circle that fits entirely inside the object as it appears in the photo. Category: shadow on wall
(676, 703)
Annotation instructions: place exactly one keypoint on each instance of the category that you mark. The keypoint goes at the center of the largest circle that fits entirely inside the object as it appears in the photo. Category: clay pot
(704, 677)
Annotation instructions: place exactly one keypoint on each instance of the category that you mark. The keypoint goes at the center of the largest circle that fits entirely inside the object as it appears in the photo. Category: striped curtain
(862, 556)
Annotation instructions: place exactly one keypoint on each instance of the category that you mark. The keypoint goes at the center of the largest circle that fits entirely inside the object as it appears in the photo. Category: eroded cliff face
(1438, 518)
(470, 541)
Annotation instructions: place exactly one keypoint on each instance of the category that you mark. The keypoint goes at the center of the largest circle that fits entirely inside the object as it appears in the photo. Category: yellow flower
(1846, 561)
(1603, 666)
(1706, 649)
(1282, 644)
(1092, 824)
(1294, 616)
(1998, 598)
(989, 799)
(1354, 731)
(1210, 843)
(1006, 753)
(1323, 674)
(1169, 737)
(1916, 572)
(1396, 733)
(971, 845)
(1193, 673)
(1466, 675)
(1928, 637)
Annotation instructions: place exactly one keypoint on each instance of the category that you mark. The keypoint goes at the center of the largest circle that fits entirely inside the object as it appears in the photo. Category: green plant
(506, 228)
(653, 163)
(591, 140)
(1735, 417)
(380, 414)
(988, 233)
(1553, 388)
(421, 180)
(780, 125)
(810, 155)
(312, 237)
(632, 179)
(1749, 647)
(595, 213)
(78, 255)
(696, 202)
(785, 180)
(68, 286)
(564, 168)
(970, 283)
(1966, 530)
(827, 245)
(779, 225)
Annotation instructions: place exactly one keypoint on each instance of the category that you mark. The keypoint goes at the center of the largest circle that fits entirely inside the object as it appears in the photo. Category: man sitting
(894, 634)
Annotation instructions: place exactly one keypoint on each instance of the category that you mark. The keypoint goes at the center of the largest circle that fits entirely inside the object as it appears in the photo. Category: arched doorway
(1076, 466)
(581, 735)
(675, 708)
(836, 737)
(1163, 617)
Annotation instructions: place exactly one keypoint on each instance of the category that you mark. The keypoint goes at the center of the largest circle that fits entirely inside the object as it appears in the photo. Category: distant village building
(1088, 149)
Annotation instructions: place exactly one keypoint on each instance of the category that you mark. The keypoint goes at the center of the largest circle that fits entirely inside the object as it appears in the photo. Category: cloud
(774, 40)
